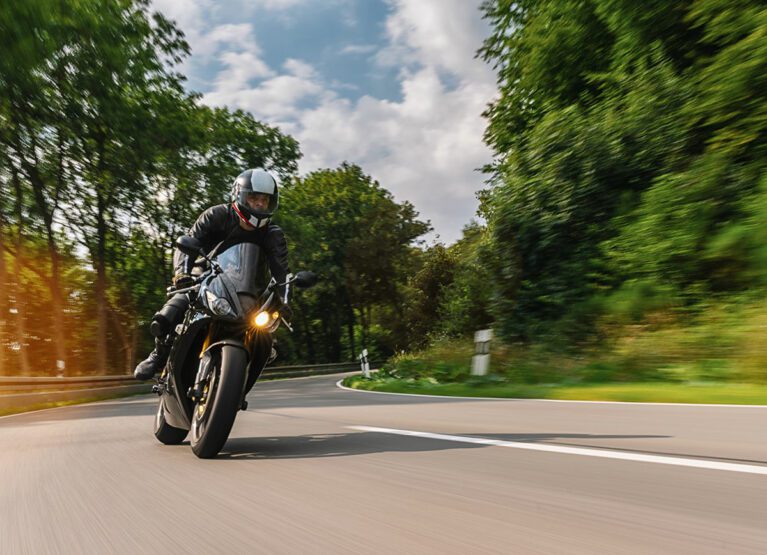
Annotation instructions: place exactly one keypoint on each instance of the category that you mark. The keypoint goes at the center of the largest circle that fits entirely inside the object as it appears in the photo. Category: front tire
(164, 432)
(213, 420)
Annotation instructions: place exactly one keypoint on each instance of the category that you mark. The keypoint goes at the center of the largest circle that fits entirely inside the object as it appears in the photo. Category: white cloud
(271, 100)
(300, 69)
(424, 148)
(444, 34)
(241, 69)
(189, 14)
(358, 49)
(278, 4)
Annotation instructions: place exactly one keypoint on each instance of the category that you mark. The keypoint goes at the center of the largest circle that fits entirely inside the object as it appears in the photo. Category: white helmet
(255, 181)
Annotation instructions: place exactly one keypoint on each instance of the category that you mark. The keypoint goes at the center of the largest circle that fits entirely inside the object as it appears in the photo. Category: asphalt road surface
(311, 468)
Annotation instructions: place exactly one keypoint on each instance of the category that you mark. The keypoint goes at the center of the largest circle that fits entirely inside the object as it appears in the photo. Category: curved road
(311, 468)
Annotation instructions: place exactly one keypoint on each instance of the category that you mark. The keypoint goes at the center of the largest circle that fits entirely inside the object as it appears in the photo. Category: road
(303, 472)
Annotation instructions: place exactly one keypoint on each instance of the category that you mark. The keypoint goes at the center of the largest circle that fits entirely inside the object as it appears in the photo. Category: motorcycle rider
(255, 198)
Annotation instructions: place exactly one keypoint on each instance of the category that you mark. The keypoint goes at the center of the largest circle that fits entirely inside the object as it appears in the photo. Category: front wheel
(214, 414)
(164, 432)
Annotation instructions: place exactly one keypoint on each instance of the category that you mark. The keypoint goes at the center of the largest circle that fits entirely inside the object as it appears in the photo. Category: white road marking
(621, 455)
(339, 384)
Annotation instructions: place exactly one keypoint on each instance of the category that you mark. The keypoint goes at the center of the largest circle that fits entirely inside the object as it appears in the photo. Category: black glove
(286, 312)
(182, 281)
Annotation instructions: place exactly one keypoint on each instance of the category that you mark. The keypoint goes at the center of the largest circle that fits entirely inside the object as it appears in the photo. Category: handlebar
(173, 292)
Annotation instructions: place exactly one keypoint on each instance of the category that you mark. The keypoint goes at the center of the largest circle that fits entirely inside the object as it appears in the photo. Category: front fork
(203, 370)
(207, 363)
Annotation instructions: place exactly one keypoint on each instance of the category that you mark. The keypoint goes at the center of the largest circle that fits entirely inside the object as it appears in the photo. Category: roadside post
(480, 362)
(364, 364)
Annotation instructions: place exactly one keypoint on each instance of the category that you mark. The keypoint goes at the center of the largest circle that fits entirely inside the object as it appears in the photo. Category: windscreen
(244, 266)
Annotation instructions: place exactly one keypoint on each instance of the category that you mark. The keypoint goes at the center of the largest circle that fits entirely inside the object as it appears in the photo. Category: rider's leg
(163, 322)
(170, 315)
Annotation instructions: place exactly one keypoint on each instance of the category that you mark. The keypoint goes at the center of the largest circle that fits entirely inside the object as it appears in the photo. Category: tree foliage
(630, 144)
(347, 228)
(105, 158)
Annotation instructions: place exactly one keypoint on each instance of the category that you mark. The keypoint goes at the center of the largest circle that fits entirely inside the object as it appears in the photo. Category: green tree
(465, 302)
(101, 147)
(347, 228)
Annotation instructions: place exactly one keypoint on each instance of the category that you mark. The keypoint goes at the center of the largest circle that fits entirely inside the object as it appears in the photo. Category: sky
(390, 85)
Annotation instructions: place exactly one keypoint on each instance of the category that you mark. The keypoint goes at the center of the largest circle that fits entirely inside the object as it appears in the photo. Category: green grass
(653, 392)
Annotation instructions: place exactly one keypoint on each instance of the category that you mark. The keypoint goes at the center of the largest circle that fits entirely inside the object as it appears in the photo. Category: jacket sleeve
(277, 255)
(206, 229)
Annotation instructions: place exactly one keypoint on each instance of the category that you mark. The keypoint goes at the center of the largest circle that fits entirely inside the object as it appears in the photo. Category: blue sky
(391, 85)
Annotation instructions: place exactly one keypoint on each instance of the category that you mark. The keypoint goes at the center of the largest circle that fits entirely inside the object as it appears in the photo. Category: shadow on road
(329, 445)
(362, 443)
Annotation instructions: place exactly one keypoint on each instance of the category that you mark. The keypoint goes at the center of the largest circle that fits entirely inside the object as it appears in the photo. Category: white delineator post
(480, 362)
(364, 364)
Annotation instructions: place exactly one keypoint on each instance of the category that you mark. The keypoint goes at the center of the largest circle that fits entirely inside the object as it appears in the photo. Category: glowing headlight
(217, 304)
(261, 319)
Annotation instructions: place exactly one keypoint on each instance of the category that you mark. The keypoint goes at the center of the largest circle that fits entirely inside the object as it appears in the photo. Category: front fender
(230, 343)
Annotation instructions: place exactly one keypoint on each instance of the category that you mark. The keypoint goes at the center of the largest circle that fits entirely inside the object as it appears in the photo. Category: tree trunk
(306, 332)
(133, 348)
(364, 324)
(54, 285)
(59, 324)
(350, 328)
(127, 345)
(18, 293)
(21, 314)
(368, 321)
(102, 359)
(46, 208)
(337, 335)
(3, 303)
(327, 340)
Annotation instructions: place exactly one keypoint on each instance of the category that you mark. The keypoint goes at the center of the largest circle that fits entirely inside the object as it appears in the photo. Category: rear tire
(212, 423)
(164, 432)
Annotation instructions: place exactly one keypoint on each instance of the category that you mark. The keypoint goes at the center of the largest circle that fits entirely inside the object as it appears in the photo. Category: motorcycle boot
(154, 362)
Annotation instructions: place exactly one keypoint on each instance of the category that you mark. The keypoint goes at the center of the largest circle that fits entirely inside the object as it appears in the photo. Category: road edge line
(705, 464)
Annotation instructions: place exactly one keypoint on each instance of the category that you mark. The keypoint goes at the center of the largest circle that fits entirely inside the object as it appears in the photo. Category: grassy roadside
(714, 356)
(652, 392)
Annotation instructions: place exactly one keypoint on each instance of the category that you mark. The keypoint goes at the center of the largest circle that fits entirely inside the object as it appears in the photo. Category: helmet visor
(257, 203)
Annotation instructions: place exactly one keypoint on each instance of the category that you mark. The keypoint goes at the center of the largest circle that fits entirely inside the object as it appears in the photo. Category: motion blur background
(622, 230)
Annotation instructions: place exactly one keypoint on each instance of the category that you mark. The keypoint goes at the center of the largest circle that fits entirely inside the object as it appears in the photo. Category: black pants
(169, 316)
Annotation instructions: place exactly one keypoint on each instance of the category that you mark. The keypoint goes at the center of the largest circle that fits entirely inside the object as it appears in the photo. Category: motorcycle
(222, 345)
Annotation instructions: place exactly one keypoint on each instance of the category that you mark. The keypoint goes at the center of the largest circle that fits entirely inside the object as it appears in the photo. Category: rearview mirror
(305, 279)
(189, 246)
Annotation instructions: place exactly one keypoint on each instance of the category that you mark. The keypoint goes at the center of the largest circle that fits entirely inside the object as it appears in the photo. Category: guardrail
(24, 391)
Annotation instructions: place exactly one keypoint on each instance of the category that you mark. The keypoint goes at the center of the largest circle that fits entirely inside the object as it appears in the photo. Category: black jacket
(221, 224)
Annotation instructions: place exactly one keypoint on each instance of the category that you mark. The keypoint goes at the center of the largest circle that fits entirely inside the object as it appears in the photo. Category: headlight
(262, 319)
(218, 305)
